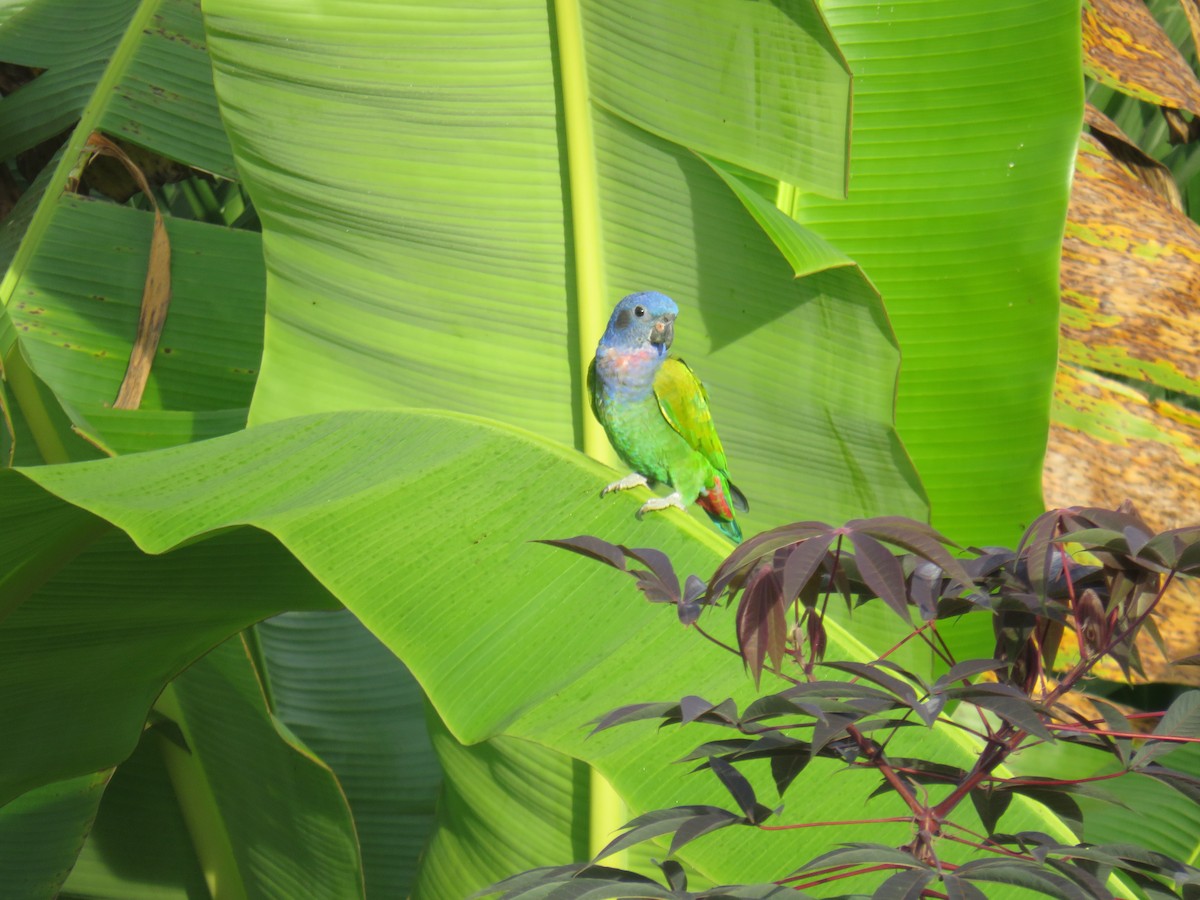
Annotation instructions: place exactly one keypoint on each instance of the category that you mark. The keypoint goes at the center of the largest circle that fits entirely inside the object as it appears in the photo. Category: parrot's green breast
(659, 425)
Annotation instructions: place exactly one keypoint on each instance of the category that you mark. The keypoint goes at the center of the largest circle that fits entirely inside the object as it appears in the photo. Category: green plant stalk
(786, 198)
(591, 289)
(604, 809)
(29, 395)
(201, 814)
(234, 205)
(607, 811)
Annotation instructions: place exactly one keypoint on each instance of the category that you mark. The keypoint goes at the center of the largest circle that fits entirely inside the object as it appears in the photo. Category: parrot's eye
(639, 311)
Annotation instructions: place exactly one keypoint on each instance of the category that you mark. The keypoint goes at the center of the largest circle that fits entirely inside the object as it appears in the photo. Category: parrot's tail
(729, 528)
(714, 500)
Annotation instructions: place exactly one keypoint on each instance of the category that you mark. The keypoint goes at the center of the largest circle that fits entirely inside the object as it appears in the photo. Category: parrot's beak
(663, 331)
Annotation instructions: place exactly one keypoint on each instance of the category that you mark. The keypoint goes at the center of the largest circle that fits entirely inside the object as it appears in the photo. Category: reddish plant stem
(874, 754)
(817, 872)
(967, 728)
(995, 751)
(989, 848)
(837, 822)
(882, 867)
(941, 640)
(1073, 605)
(724, 646)
(916, 632)
(1079, 729)
(720, 643)
(1050, 782)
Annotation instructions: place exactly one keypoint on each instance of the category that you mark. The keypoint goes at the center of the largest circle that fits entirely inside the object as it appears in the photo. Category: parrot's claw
(632, 480)
(657, 503)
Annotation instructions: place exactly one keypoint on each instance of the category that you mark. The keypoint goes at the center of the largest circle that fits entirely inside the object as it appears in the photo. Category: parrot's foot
(632, 480)
(657, 503)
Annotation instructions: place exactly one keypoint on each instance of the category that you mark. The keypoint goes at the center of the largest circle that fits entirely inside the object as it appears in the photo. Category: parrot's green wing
(684, 404)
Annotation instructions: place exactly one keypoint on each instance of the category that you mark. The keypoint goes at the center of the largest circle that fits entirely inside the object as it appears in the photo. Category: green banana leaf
(425, 300)
(138, 72)
(353, 702)
(300, 843)
(963, 143)
(456, 330)
(139, 847)
(577, 632)
(42, 831)
(424, 250)
(393, 322)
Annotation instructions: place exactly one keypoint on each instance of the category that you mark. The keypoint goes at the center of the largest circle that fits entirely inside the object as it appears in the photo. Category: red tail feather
(715, 501)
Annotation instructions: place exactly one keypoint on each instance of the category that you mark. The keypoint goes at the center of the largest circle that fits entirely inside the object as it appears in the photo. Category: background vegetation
(445, 203)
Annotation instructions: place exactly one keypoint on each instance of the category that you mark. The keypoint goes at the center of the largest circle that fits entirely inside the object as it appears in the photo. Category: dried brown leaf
(1125, 48)
(1129, 277)
(1191, 9)
(1148, 170)
(156, 293)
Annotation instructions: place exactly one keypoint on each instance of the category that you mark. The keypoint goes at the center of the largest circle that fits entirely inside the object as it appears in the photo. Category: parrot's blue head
(641, 320)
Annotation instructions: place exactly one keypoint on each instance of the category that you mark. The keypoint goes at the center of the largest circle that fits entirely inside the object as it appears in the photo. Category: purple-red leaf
(667, 821)
(762, 621)
(726, 747)
(814, 625)
(1036, 548)
(1017, 710)
(918, 538)
(861, 852)
(882, 573)
(572, 881)
(592, 547)
(654, 589)
(906, 884)
(786, 766)
(761, 546)
(832, 727)
(966, 669)
(990, 805)
(1022, 874)
(802, 563)
(692, 707)
(674, 875)
(698, 826)
(658, 563)
(924, 587)
(900, 689)
(693, 588)
(737, 785)
(1178, 548)
(635, 712)
(957, 889)
(689, 607)
(1085, 879)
